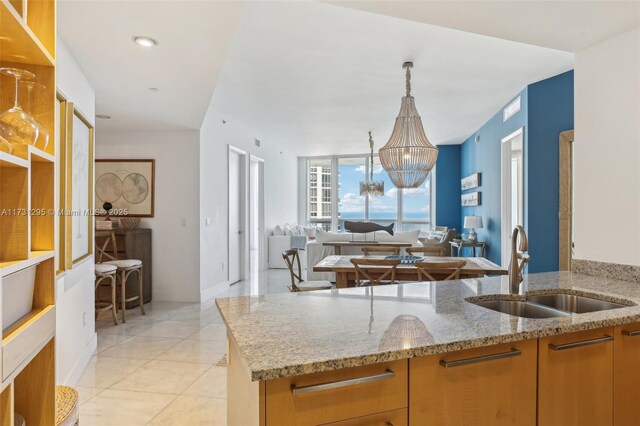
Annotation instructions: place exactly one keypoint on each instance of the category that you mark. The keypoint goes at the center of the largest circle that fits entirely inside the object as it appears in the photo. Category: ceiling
(317, 77)
(565, 25)
(193, 36)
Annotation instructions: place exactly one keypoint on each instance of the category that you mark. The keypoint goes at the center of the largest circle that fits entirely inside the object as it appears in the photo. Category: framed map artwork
(127, 184)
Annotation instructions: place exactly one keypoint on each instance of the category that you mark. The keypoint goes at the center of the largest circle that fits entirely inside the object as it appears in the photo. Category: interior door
(235, 223)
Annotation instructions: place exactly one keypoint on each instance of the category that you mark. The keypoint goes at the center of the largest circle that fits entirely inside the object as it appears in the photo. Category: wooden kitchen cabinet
(626, 375)
(575, 379)
(339, 395)
(494, 385)
(388, 418)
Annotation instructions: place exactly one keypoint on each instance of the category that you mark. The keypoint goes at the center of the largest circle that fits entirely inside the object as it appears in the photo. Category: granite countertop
(290, 334)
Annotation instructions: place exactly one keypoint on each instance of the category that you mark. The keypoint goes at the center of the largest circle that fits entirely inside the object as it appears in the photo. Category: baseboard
(76, 372)
(212, 292)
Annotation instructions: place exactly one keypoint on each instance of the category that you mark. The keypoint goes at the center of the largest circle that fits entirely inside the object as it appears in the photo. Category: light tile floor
(160, 368)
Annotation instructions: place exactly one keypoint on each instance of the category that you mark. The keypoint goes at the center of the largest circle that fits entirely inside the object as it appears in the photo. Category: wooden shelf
(22, 341)
(14, 206)
(39, 155)
(22, 46)
(42, 202)
(6, 405)
(35, 257)
(10, 160)
(27, 223)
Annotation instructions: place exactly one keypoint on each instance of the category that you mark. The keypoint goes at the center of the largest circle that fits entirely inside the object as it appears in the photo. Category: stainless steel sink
(573, 303)
(520, 308)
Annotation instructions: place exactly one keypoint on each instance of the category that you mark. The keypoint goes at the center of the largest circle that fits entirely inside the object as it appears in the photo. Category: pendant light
(408, 157)
(371, 187)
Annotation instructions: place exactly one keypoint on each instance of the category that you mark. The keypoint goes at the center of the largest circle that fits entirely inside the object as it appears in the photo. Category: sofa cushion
(435, 235)
(324, 236)
(278, 231)
(410, 237)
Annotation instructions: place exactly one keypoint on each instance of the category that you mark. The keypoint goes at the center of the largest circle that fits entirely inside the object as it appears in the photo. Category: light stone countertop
(283, 335)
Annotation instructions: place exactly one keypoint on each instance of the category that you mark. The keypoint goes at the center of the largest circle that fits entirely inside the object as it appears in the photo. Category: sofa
(280, 240)
(440, 237)
(316, 251)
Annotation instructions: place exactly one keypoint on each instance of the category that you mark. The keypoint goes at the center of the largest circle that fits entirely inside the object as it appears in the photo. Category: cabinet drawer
(388, 418)
(575, 379)
(626, 375)
(332, 396)
(23, 342)
(494, 385)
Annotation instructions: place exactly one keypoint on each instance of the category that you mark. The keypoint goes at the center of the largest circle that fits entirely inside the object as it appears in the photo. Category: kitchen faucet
(518, 259)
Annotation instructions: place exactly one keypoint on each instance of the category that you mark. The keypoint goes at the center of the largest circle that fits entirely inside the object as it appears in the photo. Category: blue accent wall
(448, 186)
(550, 113)
(484, 157)
(546, 111)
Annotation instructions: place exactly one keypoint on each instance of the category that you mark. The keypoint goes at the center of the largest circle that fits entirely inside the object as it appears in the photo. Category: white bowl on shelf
(17, 295)
(18, 420)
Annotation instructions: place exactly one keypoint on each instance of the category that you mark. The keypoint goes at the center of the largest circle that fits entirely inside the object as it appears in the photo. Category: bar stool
(106, 272)
(125, 267)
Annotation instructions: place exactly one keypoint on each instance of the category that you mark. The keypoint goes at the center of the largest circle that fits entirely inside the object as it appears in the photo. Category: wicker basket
(67, 413)
(129, 222)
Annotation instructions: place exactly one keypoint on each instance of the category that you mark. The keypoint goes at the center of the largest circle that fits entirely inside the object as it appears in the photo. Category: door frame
(505, 193)
(262, 260)
(242, 211)
(565, 213)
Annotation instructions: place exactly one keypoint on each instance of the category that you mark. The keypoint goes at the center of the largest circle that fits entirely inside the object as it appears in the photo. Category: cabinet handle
(631, 333)
(388, 374)
(579, 344)
(467, 361)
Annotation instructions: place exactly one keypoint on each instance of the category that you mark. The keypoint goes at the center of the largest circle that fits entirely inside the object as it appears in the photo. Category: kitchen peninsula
(423, 354)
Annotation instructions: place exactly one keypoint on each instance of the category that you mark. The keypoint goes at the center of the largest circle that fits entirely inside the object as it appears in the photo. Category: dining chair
(125, 267)
(429, 268)
(426, 251)
(385, 268)
(292, 256)
(106, 277)
(379, 250)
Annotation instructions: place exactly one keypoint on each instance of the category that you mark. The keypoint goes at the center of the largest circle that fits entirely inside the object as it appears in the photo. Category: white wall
(280, 194)
(175, 240)
(75, 326)
(607, 151)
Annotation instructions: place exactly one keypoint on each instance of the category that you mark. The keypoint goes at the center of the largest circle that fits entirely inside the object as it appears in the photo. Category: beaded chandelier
(371, 187)
(408, 157)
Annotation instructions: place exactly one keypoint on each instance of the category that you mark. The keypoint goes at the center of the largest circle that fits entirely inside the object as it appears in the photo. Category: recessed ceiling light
(145, 41)
(153, 89)
(103, 116)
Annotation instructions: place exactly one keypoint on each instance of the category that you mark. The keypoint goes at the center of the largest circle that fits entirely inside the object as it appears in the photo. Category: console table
(473, 244)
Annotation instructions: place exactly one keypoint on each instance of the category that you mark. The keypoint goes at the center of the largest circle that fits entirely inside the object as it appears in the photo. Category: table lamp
(473, 222)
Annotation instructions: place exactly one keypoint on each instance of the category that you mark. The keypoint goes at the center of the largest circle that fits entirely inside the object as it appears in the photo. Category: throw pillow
(278, 231)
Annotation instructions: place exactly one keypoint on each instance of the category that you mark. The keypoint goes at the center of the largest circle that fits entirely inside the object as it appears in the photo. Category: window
(409, 209)
(383, 209)
(416, 207)
(319, 210)
(351, 205)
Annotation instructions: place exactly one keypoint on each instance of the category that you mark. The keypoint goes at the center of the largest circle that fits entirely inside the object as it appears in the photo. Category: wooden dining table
(346, 272)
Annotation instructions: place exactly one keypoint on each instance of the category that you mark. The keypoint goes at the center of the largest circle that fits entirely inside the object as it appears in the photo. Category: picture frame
(79, 217)
(128, 184)
(471, 199)
(470, 182)
(61, 113)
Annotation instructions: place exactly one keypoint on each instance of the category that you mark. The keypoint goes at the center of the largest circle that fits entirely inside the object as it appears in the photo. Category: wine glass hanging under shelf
(17, 126)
